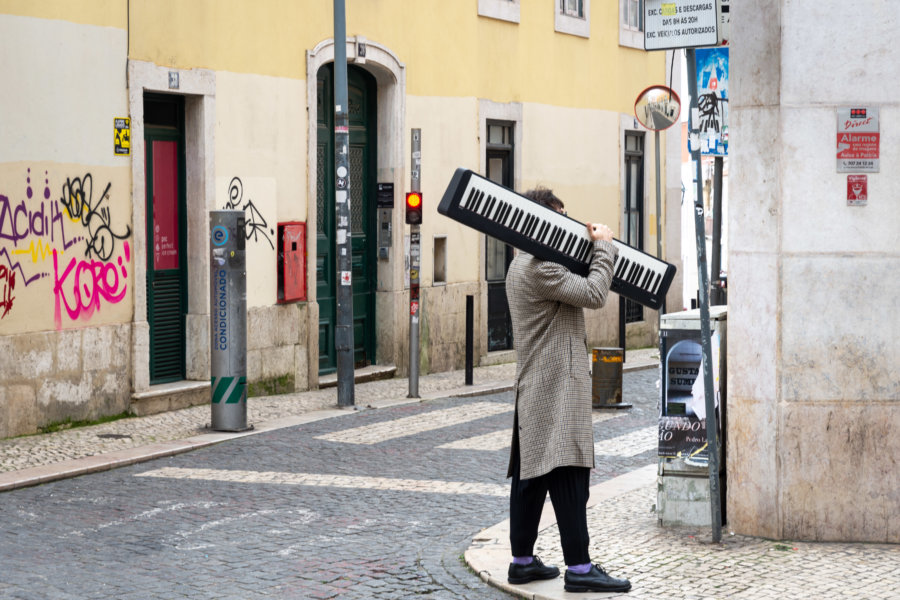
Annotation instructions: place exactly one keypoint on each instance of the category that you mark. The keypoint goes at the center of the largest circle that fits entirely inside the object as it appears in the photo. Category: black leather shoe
(595, 580)
(530, 572)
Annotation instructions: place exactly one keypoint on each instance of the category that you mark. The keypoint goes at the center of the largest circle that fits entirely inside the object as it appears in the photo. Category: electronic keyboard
(524, 224)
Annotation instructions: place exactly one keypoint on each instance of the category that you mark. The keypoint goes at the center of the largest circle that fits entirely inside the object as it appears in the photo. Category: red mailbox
(291, 262)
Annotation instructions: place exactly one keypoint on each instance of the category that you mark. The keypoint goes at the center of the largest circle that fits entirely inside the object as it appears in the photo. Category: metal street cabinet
(683, 490)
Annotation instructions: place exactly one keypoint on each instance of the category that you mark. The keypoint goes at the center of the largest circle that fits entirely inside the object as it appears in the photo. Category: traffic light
(414, 208)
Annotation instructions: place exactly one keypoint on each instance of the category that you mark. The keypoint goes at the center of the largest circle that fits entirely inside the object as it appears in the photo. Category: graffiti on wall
(77, 199)
(40, 238)
(255, 223)
(7, 285)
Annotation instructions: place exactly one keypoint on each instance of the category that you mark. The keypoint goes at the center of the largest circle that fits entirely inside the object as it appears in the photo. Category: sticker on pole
(414, 307)
(219, 235)
(858, 140)
(345, 278)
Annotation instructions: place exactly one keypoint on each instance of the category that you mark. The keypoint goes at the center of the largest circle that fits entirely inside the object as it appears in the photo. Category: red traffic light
(414, 208)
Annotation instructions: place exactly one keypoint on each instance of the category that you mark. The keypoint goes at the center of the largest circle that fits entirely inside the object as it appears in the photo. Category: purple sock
(522, 560)
(579, 569)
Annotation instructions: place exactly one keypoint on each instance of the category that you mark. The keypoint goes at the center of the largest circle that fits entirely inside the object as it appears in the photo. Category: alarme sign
(858, 140)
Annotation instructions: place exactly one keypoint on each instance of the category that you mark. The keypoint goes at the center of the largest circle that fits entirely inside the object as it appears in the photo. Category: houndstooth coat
(553, 381)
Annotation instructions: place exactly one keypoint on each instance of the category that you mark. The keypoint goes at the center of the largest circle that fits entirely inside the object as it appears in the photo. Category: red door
(166, 240)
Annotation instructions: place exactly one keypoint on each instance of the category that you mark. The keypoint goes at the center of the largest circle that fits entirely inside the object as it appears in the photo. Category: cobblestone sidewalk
(269, 412)
(128, 439)
(684, 563)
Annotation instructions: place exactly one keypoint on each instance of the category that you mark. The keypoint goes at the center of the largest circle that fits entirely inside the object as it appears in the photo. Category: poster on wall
(712, 100)
(858, 140)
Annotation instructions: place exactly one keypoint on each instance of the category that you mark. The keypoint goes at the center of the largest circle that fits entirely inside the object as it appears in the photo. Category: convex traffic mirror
(657, 107)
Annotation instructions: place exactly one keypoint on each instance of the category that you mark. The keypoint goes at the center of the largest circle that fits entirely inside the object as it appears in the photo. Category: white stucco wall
(813, 352)
(260, 166)
(58, 172)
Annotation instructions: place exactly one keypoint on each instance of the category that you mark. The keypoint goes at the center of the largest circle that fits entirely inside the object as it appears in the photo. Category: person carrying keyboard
(553, 443)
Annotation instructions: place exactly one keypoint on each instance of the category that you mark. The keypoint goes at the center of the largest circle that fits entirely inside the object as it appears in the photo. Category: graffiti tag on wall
(255, 223)
(7, 285)
(77, 198)
(38, 238)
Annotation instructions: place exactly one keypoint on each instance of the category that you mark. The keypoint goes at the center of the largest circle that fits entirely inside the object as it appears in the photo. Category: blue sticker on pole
(712, 100)
(219, 235)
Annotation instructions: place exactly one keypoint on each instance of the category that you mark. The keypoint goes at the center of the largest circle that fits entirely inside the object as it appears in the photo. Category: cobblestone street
(373, 504)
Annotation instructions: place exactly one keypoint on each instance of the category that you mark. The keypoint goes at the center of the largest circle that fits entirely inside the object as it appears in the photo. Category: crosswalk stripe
(325, 480)
(498, 440)
(630, 444)
(437, 419)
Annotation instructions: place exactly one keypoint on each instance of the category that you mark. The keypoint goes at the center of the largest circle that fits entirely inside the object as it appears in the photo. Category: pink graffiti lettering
(7, 285)
(85, 284)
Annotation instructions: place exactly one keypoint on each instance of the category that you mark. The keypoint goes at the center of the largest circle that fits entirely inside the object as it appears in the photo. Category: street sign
(670, 24)
(858, 140)
(724, 22)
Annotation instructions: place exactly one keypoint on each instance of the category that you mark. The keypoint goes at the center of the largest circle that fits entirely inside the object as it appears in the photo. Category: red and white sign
(413, 307)
(857, 190)
(858, 140)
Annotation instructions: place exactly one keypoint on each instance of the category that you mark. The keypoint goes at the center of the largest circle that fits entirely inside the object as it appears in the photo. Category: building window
(633, 217)
(504, 10)
(631, 23)
(440, 260)
(573, 17)
(634, 18)
(498, 255)
(572, 8)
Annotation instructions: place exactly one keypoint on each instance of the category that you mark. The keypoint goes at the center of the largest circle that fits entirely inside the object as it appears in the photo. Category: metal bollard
(606, 378)
(470, 310)
(228, 320)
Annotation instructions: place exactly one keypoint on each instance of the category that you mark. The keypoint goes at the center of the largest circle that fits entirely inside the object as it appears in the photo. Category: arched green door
(361, 90)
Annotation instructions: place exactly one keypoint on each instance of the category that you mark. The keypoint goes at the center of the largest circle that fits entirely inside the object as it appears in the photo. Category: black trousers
(569, 488)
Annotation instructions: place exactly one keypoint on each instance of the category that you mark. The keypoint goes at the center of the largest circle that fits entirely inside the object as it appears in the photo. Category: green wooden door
(166, 236)
(361, 93)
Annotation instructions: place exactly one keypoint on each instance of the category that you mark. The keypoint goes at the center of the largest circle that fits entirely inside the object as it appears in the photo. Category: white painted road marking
(339, 481)
(499, 440)
(397, 428)
(630, 444)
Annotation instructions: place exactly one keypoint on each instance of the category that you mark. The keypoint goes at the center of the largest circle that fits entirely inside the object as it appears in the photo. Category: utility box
(291, 262)
(683, 492)
(228, 320)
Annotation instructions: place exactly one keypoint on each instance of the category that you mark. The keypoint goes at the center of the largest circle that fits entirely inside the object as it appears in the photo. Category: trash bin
(606, 378)
(683, 491)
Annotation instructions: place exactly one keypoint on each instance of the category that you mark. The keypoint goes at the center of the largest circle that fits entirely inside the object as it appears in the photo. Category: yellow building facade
(128, 121)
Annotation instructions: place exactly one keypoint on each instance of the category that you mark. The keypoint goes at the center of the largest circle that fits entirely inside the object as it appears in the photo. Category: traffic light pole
(415, 307)
(343, 336)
